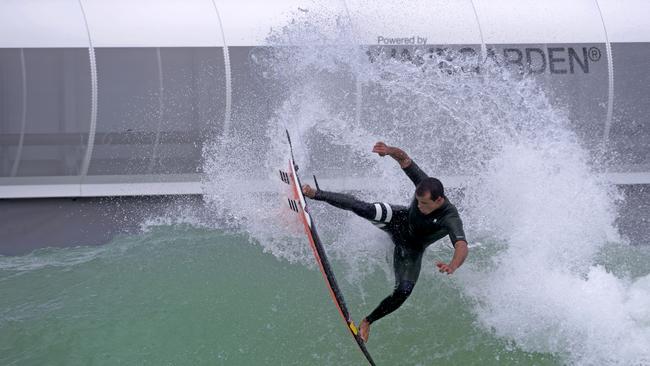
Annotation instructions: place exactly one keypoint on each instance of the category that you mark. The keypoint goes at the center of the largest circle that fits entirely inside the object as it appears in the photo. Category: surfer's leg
(406, 263)
(379, 213)
(392, 302)
(387, 306)
(407, 270)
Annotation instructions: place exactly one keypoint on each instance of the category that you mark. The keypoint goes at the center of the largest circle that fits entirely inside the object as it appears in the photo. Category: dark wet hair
(431, 185)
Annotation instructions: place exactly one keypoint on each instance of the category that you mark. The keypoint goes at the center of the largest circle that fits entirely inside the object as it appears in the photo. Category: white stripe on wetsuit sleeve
(378, 211)
(389, 213)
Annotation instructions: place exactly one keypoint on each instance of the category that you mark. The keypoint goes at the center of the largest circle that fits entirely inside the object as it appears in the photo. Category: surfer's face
(426, 205)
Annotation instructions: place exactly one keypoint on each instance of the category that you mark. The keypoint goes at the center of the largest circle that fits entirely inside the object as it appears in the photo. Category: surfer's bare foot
(364, 330)
(308, 191)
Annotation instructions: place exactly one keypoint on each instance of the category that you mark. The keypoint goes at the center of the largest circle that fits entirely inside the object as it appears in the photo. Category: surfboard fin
(316, 182)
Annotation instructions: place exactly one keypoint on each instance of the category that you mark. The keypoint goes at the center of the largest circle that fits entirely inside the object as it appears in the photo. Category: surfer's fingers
(308, 191)
(381, 150)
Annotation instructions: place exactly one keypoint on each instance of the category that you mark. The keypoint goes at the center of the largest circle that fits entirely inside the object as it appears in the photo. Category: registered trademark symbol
(594, 54)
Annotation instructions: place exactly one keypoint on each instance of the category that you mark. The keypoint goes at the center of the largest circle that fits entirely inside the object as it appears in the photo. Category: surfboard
(298, 204)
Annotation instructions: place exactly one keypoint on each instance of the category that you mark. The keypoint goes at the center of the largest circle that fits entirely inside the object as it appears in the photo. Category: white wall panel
(153, 23)
(170, 23)
(41, 23)
(626, 21)
(535, 21)
(248, 22)
(440, 22)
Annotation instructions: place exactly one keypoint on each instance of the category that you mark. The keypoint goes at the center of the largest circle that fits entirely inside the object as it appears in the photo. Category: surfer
(412, 229)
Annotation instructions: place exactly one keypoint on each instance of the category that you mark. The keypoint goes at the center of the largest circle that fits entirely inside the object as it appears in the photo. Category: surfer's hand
(395, 152)
(308, 191)
(445, 268)
(381, 149)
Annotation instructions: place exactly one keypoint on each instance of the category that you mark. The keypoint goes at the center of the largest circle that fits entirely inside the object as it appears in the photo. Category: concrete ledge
(193, 186)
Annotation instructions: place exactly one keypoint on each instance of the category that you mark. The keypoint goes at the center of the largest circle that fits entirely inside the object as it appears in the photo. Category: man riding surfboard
(428, 218)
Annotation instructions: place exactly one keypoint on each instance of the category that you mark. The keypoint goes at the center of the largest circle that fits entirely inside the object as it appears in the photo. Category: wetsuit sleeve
(454, 226)
(414, 172)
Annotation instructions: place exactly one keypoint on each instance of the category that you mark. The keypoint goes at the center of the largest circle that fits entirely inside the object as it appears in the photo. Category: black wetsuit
(411, 231)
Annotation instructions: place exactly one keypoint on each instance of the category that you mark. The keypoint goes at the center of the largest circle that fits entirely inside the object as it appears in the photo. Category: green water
(179, 295)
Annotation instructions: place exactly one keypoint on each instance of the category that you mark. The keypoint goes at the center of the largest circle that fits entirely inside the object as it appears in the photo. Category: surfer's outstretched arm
(396, 153)
(460, 253)
(411, 169)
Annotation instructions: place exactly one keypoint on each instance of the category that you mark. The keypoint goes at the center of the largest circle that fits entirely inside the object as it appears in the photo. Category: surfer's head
(430, 195)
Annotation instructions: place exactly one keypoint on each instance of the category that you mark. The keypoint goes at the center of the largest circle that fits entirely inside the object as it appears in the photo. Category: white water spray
(533, 193)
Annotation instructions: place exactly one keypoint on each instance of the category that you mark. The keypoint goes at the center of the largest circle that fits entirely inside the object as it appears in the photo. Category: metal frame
(226, 61)
(610, 78)
(19, 151)
(161, 95)
(94, 91)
